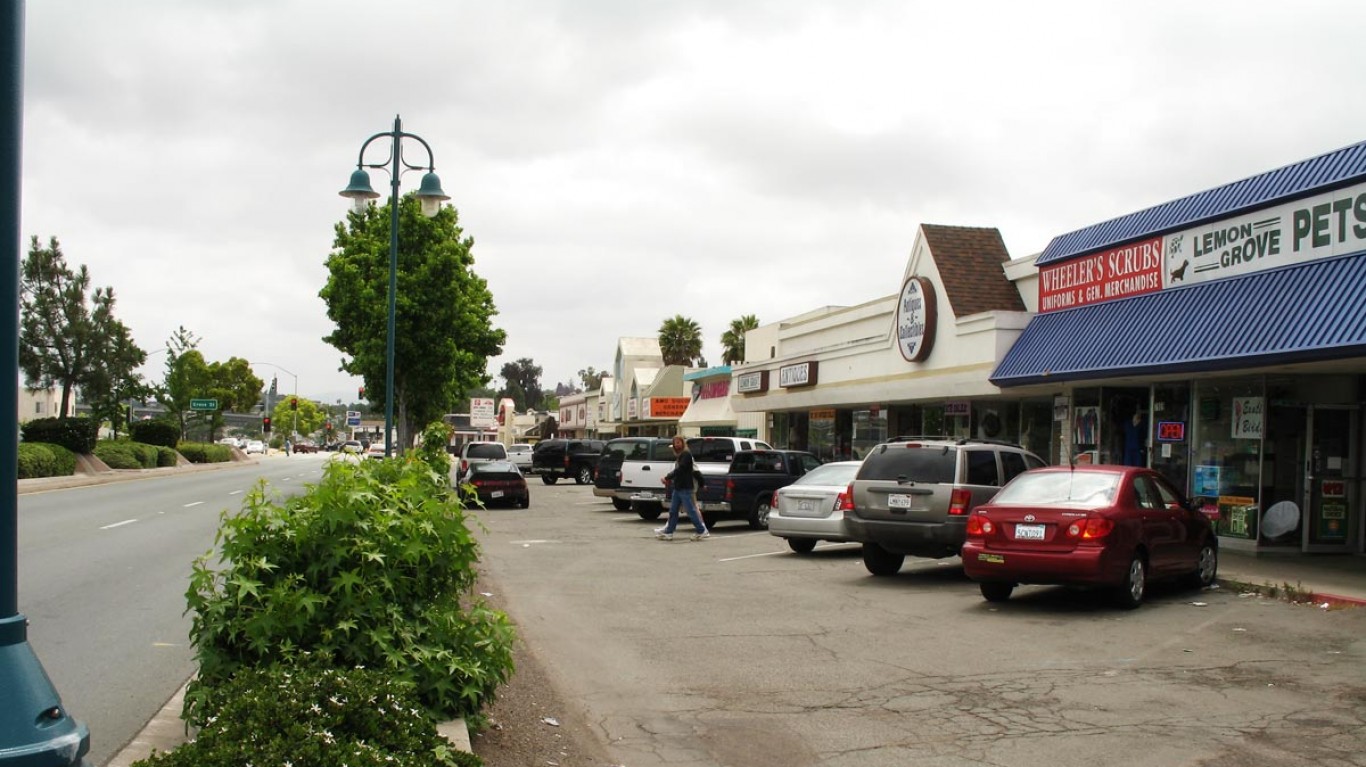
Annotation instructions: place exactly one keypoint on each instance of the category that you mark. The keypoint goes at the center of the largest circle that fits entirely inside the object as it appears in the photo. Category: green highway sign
(204, 404)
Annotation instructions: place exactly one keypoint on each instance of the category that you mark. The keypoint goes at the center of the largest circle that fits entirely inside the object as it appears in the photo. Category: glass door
(1331, 479)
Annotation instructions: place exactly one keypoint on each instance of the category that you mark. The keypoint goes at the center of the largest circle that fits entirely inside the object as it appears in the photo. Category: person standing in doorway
(684, 481)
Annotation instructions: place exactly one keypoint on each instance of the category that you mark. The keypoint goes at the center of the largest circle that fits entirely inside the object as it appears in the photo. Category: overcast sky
(621, 162)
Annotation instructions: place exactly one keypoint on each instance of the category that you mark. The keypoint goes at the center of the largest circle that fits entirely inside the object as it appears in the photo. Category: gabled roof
(969, 260)
(1316, 174)
(638, 347)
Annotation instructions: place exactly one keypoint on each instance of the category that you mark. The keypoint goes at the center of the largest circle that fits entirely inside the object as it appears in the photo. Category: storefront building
(837, 381)
(1221, 339)
(709, 414)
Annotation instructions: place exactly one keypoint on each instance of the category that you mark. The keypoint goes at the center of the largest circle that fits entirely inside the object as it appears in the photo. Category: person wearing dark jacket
(684, 481)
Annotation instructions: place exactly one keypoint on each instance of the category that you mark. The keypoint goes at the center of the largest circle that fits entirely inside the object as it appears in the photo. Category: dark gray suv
(912, 496)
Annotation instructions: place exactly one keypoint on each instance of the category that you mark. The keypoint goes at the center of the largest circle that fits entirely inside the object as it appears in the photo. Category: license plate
(898, 502)
(496, 494)
(806, 505)
(1029, 532)
(646, 496)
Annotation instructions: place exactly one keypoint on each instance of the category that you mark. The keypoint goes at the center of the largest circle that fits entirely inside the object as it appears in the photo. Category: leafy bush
(202, 452)
(314, 718)
(37, 459)
(117, 455)
(367, 568)
(433, 448)
(159, 433)
(75, 434)
(167, 456)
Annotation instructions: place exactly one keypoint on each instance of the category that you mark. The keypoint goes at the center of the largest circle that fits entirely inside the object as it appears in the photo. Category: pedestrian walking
(685, 478)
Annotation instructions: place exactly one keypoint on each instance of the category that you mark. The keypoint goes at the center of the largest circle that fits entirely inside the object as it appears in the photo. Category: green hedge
(125, 454)
(167, 456)
(203, 452)
(159, 433)
(75, 434)
(37, 459)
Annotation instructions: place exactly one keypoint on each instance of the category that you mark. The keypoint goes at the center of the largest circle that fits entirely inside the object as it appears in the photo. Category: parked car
(255, 446)
(305, 447)
(554, 459)
(607, 478)
(912, 496)
(1115, 527)
(745, 490)
(375, 450)
(499, 482)
(812, 508)
(352, 446)
(474, 453)
(520, 455)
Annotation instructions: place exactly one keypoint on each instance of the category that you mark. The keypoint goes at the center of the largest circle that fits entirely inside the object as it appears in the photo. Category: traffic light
(293, 403)
(265, 424)
(361, 392)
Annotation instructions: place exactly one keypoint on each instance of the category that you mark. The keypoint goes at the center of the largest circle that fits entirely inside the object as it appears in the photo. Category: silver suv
(912, 496)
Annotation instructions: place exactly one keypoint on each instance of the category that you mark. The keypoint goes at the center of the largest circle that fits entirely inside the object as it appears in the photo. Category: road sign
(353, 418)
(481, 413)
(208, 405)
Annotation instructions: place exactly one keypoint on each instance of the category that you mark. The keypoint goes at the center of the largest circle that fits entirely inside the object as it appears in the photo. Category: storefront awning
(713, 411)
(1304, 313)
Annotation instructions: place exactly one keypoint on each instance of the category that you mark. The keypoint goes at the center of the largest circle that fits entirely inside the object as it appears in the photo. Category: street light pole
(360, 193)
(35, 729)
(295, 428)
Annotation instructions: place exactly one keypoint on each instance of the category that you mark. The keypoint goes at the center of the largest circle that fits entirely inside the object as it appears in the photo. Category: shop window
(1227, 460)
(1171, 433)
(870, 430)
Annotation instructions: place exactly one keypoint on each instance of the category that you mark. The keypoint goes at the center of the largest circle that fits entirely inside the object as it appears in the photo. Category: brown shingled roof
(969, 260)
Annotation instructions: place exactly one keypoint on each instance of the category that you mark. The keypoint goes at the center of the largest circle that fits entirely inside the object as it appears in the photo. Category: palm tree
(733, 340)
(680, 340)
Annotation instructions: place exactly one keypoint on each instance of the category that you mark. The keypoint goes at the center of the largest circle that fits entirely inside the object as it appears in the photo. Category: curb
(1318, 598)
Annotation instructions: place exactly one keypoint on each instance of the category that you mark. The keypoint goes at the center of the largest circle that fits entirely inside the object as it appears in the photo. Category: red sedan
(1106, 526)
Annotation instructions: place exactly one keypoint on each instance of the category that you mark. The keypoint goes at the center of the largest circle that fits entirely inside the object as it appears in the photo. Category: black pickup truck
(746, 489)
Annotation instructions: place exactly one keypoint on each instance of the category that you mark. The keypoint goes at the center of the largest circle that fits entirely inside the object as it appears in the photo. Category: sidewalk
(1332, 579)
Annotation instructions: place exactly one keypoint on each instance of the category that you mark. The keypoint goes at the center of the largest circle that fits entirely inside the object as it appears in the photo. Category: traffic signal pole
(35, 729)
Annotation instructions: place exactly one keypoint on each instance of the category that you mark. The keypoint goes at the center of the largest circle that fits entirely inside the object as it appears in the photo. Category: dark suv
(912, 496)
(556, 458)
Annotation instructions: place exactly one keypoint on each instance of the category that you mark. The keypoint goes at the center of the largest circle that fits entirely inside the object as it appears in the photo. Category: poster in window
(1247, 417)
(1087, 426)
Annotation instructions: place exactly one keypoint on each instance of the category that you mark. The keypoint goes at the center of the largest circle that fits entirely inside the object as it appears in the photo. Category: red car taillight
(730, 490)
(1090, 529)
(845, 500)
(979, 526)
(960, 501)
(464, 466)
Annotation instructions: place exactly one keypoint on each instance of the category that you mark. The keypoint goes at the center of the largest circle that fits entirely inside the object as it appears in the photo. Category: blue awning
(1302, 313)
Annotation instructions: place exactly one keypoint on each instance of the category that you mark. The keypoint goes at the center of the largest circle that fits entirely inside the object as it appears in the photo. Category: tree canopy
(444, 334)
(70, 338)
(733, 340)
(522, 384)
(680, 340)
(189, 377)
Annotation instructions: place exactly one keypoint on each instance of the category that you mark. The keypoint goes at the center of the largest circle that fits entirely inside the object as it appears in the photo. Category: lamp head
(359, 190)
(430, 194)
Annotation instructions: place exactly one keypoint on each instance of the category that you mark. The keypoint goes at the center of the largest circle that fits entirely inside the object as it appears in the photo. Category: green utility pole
(35, 730)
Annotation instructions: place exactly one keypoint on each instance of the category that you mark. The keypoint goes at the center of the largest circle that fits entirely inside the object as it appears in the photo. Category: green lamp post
(361, 193)
(35, 729)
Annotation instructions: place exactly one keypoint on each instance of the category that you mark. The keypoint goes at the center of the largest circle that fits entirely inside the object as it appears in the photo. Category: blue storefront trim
(1302, 313)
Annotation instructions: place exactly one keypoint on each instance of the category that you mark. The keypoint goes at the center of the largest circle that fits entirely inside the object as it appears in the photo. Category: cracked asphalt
(735, 651)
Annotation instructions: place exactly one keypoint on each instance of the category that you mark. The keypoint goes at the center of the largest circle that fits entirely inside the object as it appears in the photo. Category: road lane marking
(118, 524)
(235, 492)
(188, 505)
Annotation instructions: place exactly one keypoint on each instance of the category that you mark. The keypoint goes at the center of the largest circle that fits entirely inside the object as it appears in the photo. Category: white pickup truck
(642, 481)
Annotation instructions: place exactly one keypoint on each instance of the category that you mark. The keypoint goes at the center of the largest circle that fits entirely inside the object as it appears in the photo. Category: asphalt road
(102, 577)
(735, 651)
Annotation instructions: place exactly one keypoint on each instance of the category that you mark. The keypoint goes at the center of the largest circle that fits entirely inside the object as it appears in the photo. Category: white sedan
(812, 508)
(256, 446)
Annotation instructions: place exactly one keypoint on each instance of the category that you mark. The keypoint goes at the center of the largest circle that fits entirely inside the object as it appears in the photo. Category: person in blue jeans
(684, 480)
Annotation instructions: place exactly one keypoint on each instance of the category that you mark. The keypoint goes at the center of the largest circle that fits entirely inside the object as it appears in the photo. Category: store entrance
(1312, 467)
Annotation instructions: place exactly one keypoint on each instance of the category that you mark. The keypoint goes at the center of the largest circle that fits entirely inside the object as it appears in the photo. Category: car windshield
(841, 473)
(484, 450)
(1070, 488)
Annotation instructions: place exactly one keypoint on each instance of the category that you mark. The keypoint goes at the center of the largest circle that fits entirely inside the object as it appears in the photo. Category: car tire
(801, 545)
(1130, 594)
(647, 512)
(996, 591)
(758, 518)
(584, 475)
(1206, 567)
(621, 505)
(881, 562)
(549, 479)
(526, 501)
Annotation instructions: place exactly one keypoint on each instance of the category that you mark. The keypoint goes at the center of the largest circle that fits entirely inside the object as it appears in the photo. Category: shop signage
(752, 383)
(1171, 431)
(1329, 224)
(822, 415)
(1129, 270)
(1247, 417)
(666, 407)
(481, 413)
(715, 389)
(632, 405)
(958, 408)
(915, 316)
(800, 374)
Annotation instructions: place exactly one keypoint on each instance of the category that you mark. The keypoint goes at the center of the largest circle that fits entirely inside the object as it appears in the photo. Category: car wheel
(621, 505)
(526, 501)
(648, 512)
(880, 561)
(996, 591)
(801, 545)
(549, 479)
(584, 476)
(1206, 567)
(758, 519)
(1130, 593)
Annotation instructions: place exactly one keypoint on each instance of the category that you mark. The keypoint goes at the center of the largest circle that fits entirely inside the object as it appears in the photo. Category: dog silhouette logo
(1179, 273)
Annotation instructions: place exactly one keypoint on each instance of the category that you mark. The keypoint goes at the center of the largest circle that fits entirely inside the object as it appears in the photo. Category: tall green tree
(444, 334)
(592, 379)
(114, 383)
(307, 419)
(680, 340)
(68, 336)
(522, 385)
(733, 340)
(236, 388)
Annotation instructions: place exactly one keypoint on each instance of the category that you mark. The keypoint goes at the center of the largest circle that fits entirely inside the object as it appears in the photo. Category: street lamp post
(294, 430)
(431, 196)
(35, 728)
